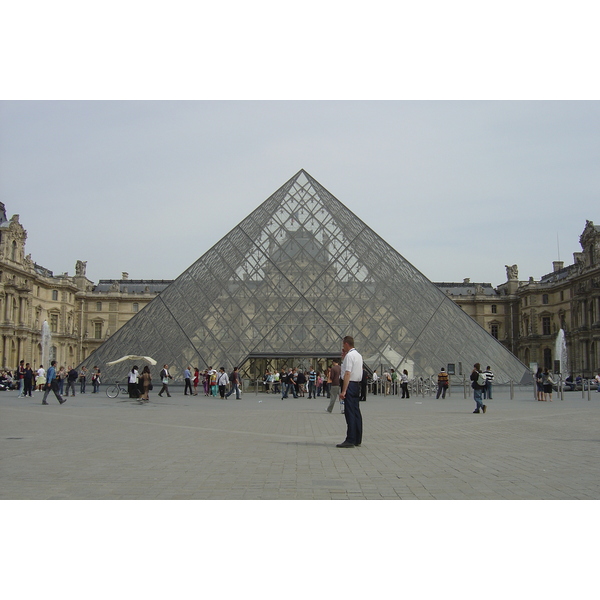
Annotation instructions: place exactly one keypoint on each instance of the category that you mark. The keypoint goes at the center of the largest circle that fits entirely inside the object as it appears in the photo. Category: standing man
(71, 379)
(187, 374)
(478, 385)
(487, 393)
(442, 383)
(21, 376)
(352, 371)
(222, 382)
(82, 380)
(312, 383)
(235, 384)
(165, 376)
(27, 380)
(52, 384)
(334, 375)
(375, 378)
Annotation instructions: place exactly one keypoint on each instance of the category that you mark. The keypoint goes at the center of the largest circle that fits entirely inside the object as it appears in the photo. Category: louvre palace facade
(297, 274)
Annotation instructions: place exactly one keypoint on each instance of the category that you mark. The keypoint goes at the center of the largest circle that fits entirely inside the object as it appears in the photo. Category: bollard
(465, 386)
(512, 389)
(589, 389)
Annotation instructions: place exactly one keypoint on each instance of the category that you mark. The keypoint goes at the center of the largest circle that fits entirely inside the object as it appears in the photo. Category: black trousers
(353, 414)
(188, 385)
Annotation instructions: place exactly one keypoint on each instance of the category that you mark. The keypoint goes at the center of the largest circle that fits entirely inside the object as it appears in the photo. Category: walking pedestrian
(145, 384)
(334, 376)
(235, 384)
(478, 385)
(52, 384)
(165, 376)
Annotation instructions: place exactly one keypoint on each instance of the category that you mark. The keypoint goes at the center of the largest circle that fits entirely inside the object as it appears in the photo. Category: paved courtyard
(261, 447)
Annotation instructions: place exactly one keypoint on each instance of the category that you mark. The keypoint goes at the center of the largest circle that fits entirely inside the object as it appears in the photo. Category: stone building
(80, 314)
(567, 298)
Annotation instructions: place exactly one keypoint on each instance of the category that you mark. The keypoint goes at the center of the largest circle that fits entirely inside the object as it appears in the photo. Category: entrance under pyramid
(285, 286)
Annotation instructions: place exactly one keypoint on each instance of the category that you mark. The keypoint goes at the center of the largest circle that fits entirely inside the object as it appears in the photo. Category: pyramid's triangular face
(293, 278)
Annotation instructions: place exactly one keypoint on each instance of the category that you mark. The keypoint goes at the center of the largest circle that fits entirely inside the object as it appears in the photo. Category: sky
(459, 188)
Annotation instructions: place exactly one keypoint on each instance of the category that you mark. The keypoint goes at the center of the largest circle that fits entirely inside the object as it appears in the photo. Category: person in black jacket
(72, 376)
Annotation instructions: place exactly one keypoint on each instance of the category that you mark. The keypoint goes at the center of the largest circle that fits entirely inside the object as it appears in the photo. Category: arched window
(14, 251)
(54, 294)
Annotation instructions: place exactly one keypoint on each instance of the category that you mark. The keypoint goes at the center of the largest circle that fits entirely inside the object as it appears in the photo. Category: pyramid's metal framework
(295, 276)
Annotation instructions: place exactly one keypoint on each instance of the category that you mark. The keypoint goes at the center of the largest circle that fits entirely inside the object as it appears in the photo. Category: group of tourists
(63, 379)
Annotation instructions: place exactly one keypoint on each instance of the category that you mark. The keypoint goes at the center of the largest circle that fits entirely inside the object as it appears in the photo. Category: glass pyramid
(287, 284)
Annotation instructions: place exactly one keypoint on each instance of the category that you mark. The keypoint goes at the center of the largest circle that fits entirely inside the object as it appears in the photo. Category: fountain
(560, 353)
(46, 341)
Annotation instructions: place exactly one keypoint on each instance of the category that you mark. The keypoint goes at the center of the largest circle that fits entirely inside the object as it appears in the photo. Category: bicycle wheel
(112, 391)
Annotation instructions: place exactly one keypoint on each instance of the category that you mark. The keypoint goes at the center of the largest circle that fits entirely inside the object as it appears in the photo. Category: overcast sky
(459, 188)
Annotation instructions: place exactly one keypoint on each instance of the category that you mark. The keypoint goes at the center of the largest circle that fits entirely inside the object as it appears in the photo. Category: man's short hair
(349, 340)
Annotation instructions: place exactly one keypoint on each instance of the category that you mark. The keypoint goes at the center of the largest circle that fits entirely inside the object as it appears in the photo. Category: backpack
(481, 379)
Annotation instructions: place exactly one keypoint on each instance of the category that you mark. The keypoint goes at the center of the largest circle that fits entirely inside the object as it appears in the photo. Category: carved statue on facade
(512, 272)
(80, 268)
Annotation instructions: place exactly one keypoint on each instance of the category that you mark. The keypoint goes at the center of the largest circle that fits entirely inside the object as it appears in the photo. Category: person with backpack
(442, 381)
(478, 381)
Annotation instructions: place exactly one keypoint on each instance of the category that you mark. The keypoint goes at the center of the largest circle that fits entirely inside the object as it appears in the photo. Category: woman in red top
(196, 380)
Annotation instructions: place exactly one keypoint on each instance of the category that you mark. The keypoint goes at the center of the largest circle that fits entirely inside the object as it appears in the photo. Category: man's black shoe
(45, 403)
(63, 400)
(345, 445)
(484, 408)
(476, 411)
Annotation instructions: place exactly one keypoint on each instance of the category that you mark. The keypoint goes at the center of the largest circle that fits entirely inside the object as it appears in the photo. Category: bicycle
(112, 391)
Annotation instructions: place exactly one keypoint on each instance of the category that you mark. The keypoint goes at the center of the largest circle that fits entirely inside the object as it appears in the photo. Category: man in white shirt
(352, 370)
(165, 376)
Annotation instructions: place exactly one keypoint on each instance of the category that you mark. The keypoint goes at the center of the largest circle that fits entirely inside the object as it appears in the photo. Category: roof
(133, 286)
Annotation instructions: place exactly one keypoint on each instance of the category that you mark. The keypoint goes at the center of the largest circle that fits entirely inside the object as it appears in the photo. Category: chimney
(557, 265)
(124, 275)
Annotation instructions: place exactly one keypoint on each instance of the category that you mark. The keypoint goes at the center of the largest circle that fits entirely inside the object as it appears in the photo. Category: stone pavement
(261, 447)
